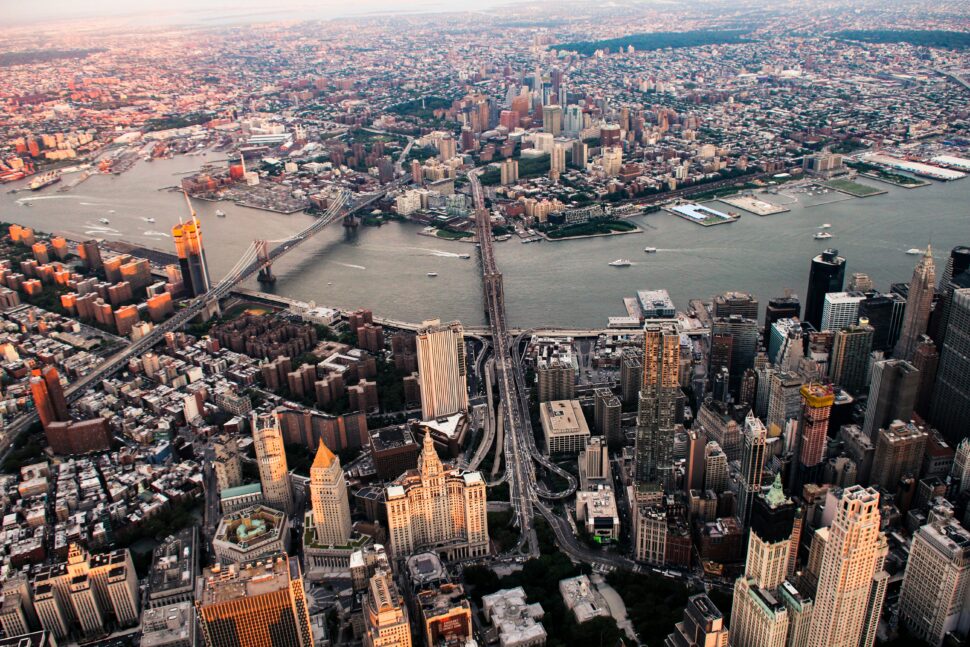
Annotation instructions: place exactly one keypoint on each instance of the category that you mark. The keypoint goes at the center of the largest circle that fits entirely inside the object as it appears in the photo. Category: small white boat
(329, 282)
(650, 250)
(822, 235)
(465, 256)
(621, 262)
(825, 226)
(915, 251)
(432, 274)
(111, 210)
(220, 213)
(104, 221)
(149, 220)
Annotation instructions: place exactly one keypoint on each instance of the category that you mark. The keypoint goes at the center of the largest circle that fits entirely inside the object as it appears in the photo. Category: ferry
(915, 251)
(220, 213)
(44, 180)
(432, 274)
(104, 221)
(650, 250)
(822, 235)
(621, 262)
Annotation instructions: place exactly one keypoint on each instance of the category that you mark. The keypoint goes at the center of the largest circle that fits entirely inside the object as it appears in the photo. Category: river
(551, 283)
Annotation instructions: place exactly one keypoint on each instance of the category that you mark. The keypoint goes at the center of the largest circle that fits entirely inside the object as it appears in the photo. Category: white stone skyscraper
(919, 302)
(271, 458)
(852, 583)
(328, 499)
(441, 369)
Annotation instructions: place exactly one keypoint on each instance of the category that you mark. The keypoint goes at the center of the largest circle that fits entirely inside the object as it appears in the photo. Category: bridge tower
(265, 274)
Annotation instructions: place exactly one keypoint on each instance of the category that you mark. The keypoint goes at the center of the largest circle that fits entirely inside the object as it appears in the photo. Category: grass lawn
(852, 188)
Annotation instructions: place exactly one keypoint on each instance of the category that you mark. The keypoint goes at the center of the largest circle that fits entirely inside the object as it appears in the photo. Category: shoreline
(545, 237)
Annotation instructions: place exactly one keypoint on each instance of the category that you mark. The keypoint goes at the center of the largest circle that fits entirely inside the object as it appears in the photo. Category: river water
(551, 283)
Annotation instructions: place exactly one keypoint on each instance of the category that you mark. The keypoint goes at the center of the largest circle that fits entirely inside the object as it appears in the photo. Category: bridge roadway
(525, 492)
(249, 264)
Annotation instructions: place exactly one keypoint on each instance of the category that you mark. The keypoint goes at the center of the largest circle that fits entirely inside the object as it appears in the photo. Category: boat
(46, 179)
(220, 213)
(104, 221)
(915, 251)
(432, 274)
(111, 210)
(465, 256)
(825, 226)
(650, 250)
(621, 262)
(149, 220)
(822, 235)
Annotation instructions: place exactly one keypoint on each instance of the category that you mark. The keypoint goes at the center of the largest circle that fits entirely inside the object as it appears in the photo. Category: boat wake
(156, 233)
(351, 265)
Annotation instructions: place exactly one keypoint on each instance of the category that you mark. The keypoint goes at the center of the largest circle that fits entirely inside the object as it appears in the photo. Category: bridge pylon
(265, 274)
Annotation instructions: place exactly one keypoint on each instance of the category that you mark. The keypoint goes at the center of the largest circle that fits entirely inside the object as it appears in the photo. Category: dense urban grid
(189, 459)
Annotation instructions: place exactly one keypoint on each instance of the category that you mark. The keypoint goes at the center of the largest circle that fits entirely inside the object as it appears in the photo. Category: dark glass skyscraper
(827, 275)
(784, 307)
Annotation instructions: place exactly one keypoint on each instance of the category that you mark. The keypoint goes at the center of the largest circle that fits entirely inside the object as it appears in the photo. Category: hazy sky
(184, 11)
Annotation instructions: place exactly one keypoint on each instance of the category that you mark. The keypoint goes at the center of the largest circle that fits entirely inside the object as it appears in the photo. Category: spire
(776, 495)
(430, 464)
(324, 458)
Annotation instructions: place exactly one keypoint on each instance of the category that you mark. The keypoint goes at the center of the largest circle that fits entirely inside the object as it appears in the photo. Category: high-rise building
(552, 119)
(90, 253)
(744, 336)
(557, 161)
(694, 468)
(612, 160)
(607, 409)
(730, 303)
(226, 462)
(955, 276)
(703, 625)
(950, 408)
(892, 394)
(850, 357)
(385, 614)
(786, 307)
(817, 401)
(784, 401)
(594, 465)
(328, 500)
(919, 302)
(191, 255)
(841, 309)
(899, 452)
(631, 375)
(87, 591)
(580, 155)
(932, 602)
(271, 458)
(257, 604)
(660, 398)
(555, 378)
(715, 468)
(760, 615)
(48, 395)
(435, 508)
(509, 171)
(926, 360)
(860, 282)
(441, 369)
(852, 583)
(754, 440)
(826, 275)
(573, 121)
(885, 314)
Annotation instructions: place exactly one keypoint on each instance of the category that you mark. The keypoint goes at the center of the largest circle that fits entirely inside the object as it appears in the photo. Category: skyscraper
(932, 601)
(852, 582)
(191, 255)
(432, 507)
(730, 303)
(950, 408)
(702, 626)
(826, 275)
(258, 604)
(885, 314)
(271, 459)
(660, 398)
(899, 453)
(552, 119)
(840, 309)
(785, 307)
(328, 499)
(892, 394)
(817, 400)
(919, 302)
(385, 613)
(744, 335)
(753, 447)
(955, 276)
(441, 369)
(48, 396)
(850, 357)
(926, 360)
(760, 616)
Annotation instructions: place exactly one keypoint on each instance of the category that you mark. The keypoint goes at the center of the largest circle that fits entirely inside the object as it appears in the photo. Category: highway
(525, 492)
